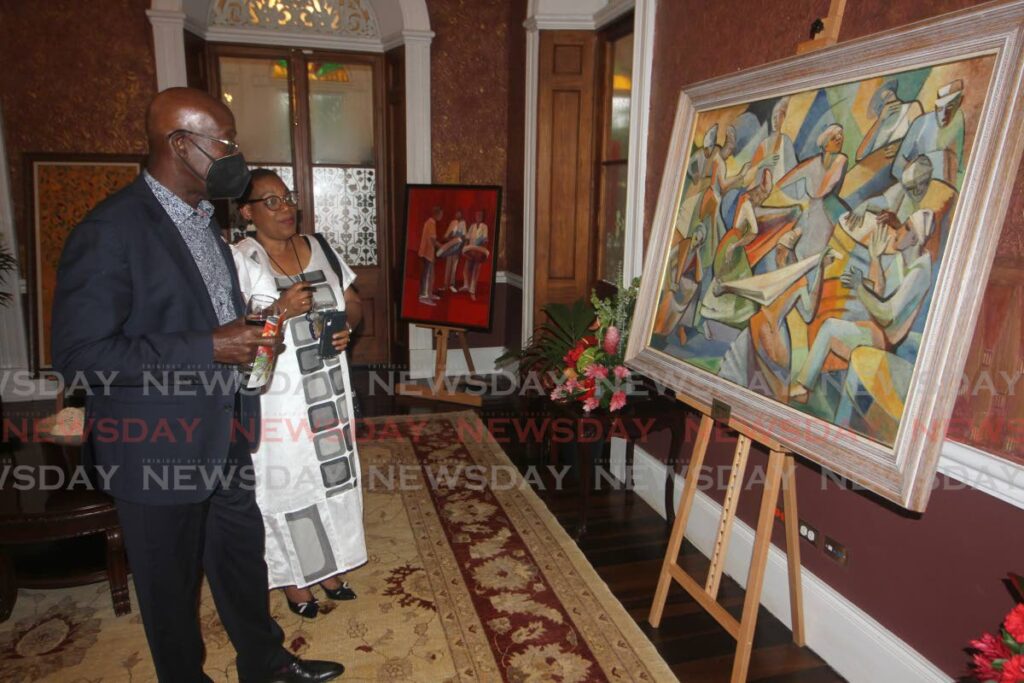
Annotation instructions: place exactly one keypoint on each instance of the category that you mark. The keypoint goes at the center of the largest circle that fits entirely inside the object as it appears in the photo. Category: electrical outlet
(836, 550)
(808, 533)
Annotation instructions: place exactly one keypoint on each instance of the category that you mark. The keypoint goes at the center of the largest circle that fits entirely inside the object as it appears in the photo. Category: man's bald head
(186, 109)
(181, 162)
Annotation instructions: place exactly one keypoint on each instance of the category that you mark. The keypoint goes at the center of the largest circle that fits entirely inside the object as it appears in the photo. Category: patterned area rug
(469, 578)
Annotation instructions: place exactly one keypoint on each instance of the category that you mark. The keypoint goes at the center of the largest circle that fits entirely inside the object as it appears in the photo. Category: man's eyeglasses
(230, 145)
(276, 203)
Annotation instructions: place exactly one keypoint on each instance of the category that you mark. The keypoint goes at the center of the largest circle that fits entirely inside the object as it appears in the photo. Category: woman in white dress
(307, 466)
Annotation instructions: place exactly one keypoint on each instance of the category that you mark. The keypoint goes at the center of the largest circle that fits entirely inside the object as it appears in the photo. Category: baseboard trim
(850, 640)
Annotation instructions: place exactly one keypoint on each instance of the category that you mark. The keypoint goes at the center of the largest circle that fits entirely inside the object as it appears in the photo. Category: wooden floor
(625, 542)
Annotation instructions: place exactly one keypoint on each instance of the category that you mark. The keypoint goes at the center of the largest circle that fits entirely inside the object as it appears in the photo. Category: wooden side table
(34, 517)
(666, 414)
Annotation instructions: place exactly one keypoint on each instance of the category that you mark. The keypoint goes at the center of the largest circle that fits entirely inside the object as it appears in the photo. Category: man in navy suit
(147, 289)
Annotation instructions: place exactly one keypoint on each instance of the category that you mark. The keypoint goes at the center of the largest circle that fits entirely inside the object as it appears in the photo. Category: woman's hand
(341, 339)
(296, 300)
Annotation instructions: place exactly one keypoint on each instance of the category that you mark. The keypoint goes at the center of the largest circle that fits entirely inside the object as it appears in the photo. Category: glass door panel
(341, 116)
(341, 113)
(256, 91)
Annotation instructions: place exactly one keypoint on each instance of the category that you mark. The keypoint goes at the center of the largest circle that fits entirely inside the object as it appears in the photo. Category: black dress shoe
(306, 610)
(307, 670)
(342, 592)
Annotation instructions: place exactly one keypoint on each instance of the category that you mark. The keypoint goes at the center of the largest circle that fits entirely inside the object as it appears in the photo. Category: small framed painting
(451, 235)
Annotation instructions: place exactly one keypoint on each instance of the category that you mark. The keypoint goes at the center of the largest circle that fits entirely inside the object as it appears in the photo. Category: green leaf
(1012, 643)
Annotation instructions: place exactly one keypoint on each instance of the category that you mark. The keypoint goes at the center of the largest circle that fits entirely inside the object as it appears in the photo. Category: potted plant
(580, 349)
(594, 373)
(543, 355)
(8, 265)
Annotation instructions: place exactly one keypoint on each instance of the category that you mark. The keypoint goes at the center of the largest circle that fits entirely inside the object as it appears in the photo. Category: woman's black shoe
(342, 592)
(306, 610)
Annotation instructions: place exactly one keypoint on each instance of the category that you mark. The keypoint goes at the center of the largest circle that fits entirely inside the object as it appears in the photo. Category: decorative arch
(353, 25)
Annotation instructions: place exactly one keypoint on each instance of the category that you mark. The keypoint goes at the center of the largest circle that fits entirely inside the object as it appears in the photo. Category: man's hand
(235, 343)
(889, 219)
(878, 242)
(852, 279)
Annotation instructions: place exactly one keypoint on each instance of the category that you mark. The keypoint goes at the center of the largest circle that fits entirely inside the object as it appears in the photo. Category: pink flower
(621, 372)
(611, 340)
(590, 404)
(596, 371)
(570, 386)
(558, 394)
(618, 400)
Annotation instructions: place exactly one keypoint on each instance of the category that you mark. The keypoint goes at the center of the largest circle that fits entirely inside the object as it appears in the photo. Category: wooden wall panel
(565, 158)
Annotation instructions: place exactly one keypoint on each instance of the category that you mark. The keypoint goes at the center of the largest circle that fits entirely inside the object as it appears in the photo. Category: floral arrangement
(1000, 659)
(594, 374)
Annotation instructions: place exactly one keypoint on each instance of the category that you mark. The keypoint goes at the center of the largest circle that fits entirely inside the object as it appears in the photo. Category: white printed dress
(307, 464)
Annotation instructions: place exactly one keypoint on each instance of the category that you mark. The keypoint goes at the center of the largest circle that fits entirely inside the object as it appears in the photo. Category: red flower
(576, 351)
(989, 648)
(1014, 623)
(1013, 670)
(589, 389)
(983, 670)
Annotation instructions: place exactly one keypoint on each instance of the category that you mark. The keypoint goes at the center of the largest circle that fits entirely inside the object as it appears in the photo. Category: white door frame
(588, 15)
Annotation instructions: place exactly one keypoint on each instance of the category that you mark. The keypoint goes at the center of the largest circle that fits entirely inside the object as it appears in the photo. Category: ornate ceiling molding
(349, 18)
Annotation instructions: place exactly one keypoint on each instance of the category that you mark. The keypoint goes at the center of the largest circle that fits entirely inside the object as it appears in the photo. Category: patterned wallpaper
(86, 92)
(469, 81)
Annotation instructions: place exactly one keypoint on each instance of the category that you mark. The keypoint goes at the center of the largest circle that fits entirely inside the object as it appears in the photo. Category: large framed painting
(824, 231)
(62, 189)
(451, 238)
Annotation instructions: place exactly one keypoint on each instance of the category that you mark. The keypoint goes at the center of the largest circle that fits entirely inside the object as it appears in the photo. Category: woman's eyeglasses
(276, 203)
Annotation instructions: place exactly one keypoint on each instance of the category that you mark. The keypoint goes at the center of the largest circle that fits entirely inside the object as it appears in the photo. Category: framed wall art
(824, 232)
(451, 237)
(63, 188)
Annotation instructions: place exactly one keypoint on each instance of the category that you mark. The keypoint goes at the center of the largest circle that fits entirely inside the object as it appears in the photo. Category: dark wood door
(565, 157)
(318, 119)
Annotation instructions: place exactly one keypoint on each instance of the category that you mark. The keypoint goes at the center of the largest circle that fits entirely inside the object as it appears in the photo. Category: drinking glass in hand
(259, 308)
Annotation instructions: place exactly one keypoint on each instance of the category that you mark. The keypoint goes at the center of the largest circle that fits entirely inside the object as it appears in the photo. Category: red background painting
(455, 310)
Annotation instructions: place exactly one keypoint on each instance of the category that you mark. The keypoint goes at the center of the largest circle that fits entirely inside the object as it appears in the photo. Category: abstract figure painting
(451, 235)
(823, 234)
(64, 187)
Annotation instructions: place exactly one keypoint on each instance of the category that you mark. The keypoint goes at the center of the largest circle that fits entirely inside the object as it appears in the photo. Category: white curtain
(13, 345)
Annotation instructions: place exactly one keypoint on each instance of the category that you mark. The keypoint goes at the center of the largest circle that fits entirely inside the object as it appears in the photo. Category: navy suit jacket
(132, 316)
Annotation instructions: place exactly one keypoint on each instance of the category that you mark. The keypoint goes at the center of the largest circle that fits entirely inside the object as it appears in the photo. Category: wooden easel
(438, 391)
(781, 472)
(830, 34)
